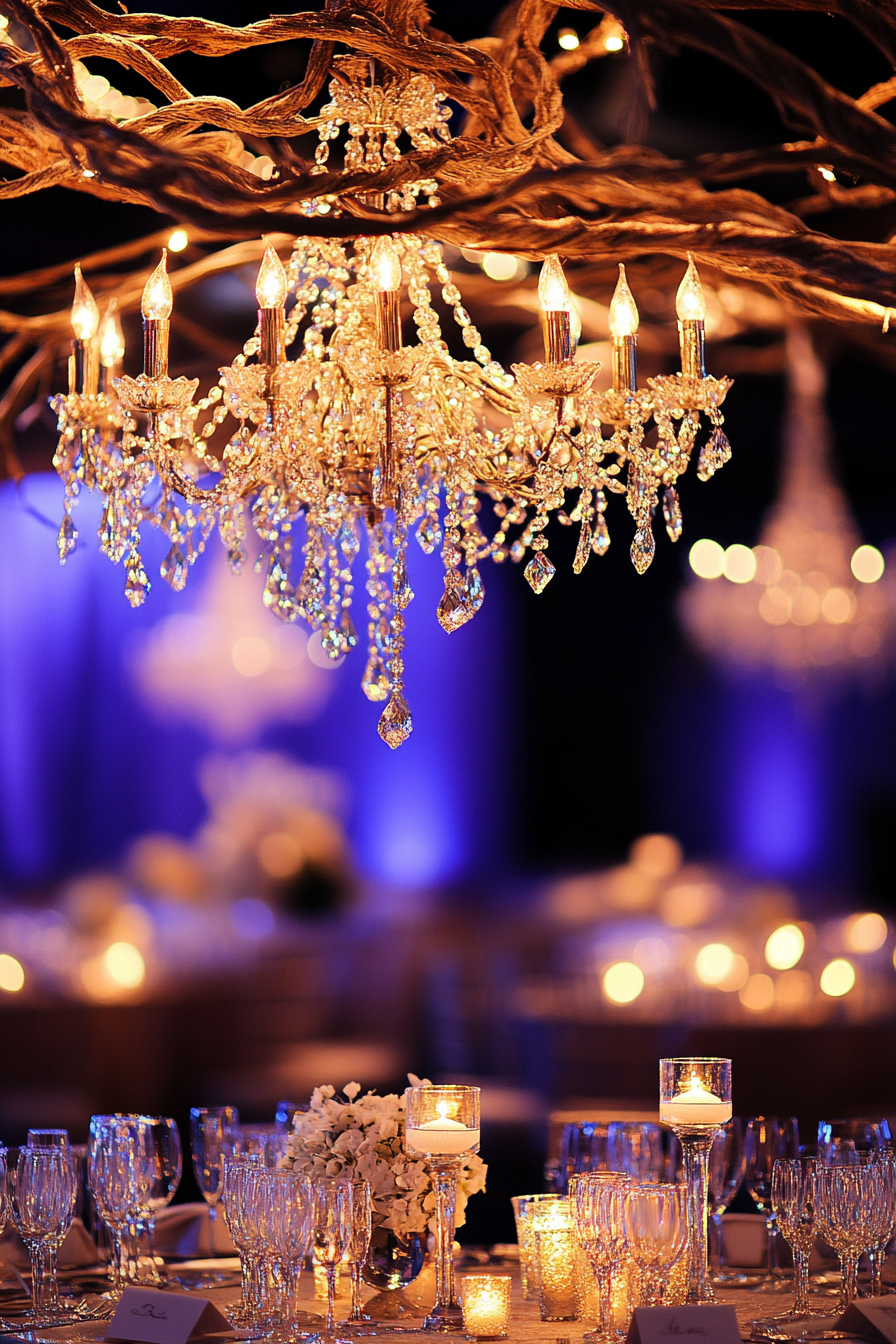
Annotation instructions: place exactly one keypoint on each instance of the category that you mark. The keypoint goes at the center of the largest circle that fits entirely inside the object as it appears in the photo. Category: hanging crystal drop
(539, 572)
(601, 541)
(583, 550)
(402, 591)
(348, 541)
(137, 584)
(395, 724)
(672, 513)
(474, 589)
(643, 549)
(375, 683)
(713, 455)
(236, 557)
(453, 610)
(347, 630)
(331, 643)
(428, 534)
(174, 568)
(66, 539)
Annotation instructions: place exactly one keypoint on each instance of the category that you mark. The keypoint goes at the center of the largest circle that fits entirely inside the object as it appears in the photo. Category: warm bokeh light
(652, 955)
(867, 564)
(793, 990)
(178, 241)
(713, 963)
(688, 904)
(837, 606)
(623, 982)
(837, 978)
(865, 933)
(768, 564)
(500, 266)
(707, 559)
(568, 39)
(614, 39)
(12, 974)
(785, 947)
(740, 564)
(737, 976)
(251, 655)
(758, 994)
(656, 856)
(124, 965)
(279, 854)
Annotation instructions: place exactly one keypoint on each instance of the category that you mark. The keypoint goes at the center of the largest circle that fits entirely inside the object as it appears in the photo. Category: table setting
(343, 1226)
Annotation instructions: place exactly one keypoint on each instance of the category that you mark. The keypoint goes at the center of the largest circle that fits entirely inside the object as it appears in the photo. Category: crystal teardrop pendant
(672, 513)
(137, 584)
(66, 539)
(643, 549)
(395, 724)
(174, 568)
(375, 683)
(539, 572)
(713, 455)
(453, 609)
(583, 550)
(474, 589)
(601, 542)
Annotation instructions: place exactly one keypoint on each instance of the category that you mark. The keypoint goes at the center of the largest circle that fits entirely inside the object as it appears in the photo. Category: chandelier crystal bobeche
(361, 439)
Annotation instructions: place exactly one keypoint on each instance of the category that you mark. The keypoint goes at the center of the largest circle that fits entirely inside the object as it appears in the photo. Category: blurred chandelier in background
(808, 600)
(363, 438)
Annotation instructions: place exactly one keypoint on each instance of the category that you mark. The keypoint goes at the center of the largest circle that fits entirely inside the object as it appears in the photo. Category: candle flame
(442, 1108)
(157, 297)
(385, 265)
(624, 318)
(85, 314)
(690, 301)
(553, 291)
(271, 285)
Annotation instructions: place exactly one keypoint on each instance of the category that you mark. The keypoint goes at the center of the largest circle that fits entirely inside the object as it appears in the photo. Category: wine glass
(211, 1136)
(583, 1147)
(333, 1222)
(794, 1200)
(121, 1164)
(636, 1148)
(287, 1225)
(597, 1201)
(768, 1139)
(727, 1164)
(845, 1198)
(851, 1136)
(42, 1192)
(656, 1232)
(241, 1202)
(362, 1229)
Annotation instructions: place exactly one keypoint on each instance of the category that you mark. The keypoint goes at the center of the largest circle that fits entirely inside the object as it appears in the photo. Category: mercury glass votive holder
(555, 1260)
(486, 1303)
(525, 1210)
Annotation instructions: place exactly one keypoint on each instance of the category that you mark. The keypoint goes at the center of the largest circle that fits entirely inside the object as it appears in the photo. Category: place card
(686, 1325)
(873, 1317)
(147, 1316)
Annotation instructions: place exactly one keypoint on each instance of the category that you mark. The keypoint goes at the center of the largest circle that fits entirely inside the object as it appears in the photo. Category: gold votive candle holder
(530, 1212)
(555, 1259)
(486, 1304)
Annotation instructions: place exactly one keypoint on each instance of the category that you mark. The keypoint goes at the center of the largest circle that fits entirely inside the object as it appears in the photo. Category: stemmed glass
(333, 1217)
(42, 1193)
(727, 1164)
(695, 1099)
(636, 1148)
(362, 1230)
(211, 1135)
(442, 1125)
(240, 1199)
(163, 1154)
(583, 1147)
(884, 1221)
(597, 1202)
(656, 1232)
(120, 1166)
(836, 1137)
(288, 1223)
(767, 1140)
(794, 1195)
(845, 1199)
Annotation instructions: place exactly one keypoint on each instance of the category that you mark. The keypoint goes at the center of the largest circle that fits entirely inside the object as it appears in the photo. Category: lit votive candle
(695, 1104)
(555, 1258)
(486, 1303)
(443, 1135)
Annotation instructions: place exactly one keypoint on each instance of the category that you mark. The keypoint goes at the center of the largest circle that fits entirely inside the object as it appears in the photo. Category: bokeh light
(740, 564)
(707, 559)
(124, 965)
(713, 962)
(568, 39)
(837, 978)
(623, 982)
(279, 854)
(867, 564)
(865, 933)
(653, 955)
(785, 947)
(500, 266)
(178, 241)
(656, 856)
(12, 974)
(793, 990)
(758, 994)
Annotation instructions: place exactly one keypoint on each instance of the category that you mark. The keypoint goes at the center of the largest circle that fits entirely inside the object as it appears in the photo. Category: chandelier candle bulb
(156, 307)
(486, 1304)
(84, 368)
(385, 266)
(111, 343)
(624, 322)
(556, 304)
(690, 306)
(270, 291)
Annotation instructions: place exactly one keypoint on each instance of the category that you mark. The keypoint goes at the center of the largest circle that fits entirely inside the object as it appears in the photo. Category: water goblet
(442, 1125)
(636, 1148)
(727, 1164)
(583, 1147)
(597, 1202)
(845, 1195)
(42, 1192)
(845, 1136)
(120, 1174)
(211, 1135)
(768, 1139)
(333, 1216)
(794, 1197)
(695, 1099)
(656, 1230)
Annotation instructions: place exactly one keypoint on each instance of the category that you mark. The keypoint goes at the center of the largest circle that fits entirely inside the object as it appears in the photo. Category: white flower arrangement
(363, 1137)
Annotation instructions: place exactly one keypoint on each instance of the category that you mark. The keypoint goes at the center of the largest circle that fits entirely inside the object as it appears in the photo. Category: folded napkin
(187, 1229)
(76, 1252)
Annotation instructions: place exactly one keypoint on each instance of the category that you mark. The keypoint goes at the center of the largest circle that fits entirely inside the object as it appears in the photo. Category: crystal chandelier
(807, 600)
(359, 438)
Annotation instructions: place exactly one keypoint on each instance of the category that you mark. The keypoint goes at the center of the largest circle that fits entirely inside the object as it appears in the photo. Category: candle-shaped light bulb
(624, 318)
(690, 301)
(385, 265)
(553, 291)
(111, 338)
(271, 285)
(85, 314)
(158, 300)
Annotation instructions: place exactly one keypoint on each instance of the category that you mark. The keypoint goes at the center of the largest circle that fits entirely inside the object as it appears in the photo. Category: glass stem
(331, 1297)
(876, 1257)
(44, 1290)
(294, 1274)
(604, 1276)
(116, 1261)
(801, 1281)
(357, 1312)
(849, 1274)
(695, 1148)
(445, 1180)
(716, 1256)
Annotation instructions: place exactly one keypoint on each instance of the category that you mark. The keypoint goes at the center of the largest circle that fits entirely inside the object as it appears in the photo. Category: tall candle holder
(441, 1124)
(695, 1099)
